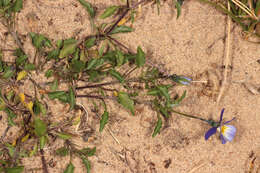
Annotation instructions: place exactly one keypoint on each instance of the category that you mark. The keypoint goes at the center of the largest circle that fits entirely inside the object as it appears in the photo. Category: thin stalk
(190, 116)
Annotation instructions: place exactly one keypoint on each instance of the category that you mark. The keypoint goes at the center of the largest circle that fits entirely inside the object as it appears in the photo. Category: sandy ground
(194, 45)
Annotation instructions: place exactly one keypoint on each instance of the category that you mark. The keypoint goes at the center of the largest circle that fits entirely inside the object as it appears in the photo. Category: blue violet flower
(227, 132)
(181, 79)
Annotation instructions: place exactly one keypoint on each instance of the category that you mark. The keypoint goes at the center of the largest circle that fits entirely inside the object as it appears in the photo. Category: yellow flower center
(223, 129)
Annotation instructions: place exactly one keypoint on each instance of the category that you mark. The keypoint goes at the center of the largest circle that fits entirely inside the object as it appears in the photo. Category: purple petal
(210, 132)
(229, 120)
(221, 115)
(222, 139)
(229, 132)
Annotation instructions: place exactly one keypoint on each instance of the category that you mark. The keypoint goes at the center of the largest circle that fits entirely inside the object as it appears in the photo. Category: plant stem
(190, 116)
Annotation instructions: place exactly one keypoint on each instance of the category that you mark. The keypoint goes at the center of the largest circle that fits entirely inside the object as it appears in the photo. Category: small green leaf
(119, 58)
(64, 136)
(70, 168)
(61, 95)
(11, 149)
(72, 99)
(103, 121)
(88, 7)
(121, 29)
(87, 164)
(126, 101)
(90, 42)
(116, 75)
(157, 127)
(8, 72)
(69, 47)
(109, 12)
(54, 54)
(11, 116)
(40, 127)
(88, 151)
(29, 67)
(36, 107)
(140, 58)
(35, 149)
(49, 73)
(77, 66)
(178, 7)
(92, 63)
(177, 101)
(164, 92)
(54, 85)
(17, 169)
(63, 151)
(39, 40)
(18, 5)
(43, 141)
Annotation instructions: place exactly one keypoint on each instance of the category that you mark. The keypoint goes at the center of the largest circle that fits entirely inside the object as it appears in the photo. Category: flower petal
(223, 140)
(229, 120)
(228, 132)
(221, 115)
(210, 132)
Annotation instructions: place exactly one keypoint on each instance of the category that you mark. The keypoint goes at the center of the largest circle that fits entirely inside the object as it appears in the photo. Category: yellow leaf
(122, 21)
(21, 75)
(22, 97)
(14, 143)
(115, 93)
(25, 138)
(30, 106)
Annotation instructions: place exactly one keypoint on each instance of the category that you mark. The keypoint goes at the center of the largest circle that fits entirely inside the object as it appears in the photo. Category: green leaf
(63, 151)
(49, 73)
(43, 141)
(11, 149)
(119, 58)
(109, 12)
(39, 40)
(40, 127)
(140, 58)
(8, 72)
(17, 169)
(69, 47)
(11, 116)
(70, 168)
(90, 42)
(116, 75)
(164, 92)
(72, 99)
(88, 151)
(103, 121)
(177, 101)
(29, 67)
(178, 7)
(35, 149)
(54, 54)
(157, 127)
(64, 136)
(61, 95)
(21, 57)
(54, 85)
(87, 164)
(126, 101)
(94, 62)
(88, 7)
(77, 66)
(18, 5)
(121, 29)
(36, 107)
